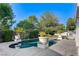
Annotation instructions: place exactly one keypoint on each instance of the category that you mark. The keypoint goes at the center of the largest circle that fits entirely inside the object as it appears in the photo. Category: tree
(30, 26)
(29, 23)
(50, 30)
(6, 15)
(60, 28)
(71, 24)
(33, 21)
(24, 24)
(48, 20)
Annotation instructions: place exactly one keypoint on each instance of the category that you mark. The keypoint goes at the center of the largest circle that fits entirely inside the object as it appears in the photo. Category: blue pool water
(34, 42)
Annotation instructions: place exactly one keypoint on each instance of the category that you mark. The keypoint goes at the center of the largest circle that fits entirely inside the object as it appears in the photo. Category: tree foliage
(48, 23)
(60, 28)
(48, 20)
(24, 24)
(29, 23)
(71, 24)
(6, 15)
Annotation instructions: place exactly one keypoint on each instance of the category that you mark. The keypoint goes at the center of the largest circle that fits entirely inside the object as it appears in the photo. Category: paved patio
(65, 47)
(32, 51)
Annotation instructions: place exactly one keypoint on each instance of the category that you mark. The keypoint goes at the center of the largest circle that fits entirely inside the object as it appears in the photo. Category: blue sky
(63, 11)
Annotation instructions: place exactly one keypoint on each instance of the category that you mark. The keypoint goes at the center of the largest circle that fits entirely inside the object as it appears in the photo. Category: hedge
(8, 35)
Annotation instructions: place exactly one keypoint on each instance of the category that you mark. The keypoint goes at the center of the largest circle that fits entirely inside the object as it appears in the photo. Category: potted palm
(42, 38)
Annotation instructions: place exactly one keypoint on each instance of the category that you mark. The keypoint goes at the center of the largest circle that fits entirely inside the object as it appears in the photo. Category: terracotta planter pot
(43, 40)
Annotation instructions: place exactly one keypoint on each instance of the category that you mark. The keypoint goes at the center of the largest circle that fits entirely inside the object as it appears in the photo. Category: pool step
(40, 45)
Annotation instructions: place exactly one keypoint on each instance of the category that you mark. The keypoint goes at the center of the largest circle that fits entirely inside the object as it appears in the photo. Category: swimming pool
(34, 42)
(30, 43)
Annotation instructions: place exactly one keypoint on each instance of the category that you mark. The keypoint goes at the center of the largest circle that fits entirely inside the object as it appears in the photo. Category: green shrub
(24, 35)
(50, 30)
(33, 34)
(7, 36)
(60, 31)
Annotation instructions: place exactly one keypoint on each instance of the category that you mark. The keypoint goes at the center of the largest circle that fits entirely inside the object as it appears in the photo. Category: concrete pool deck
(63, 47)
(32, 51)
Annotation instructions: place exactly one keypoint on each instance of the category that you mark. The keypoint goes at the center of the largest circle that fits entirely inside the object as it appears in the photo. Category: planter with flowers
(43, 39)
